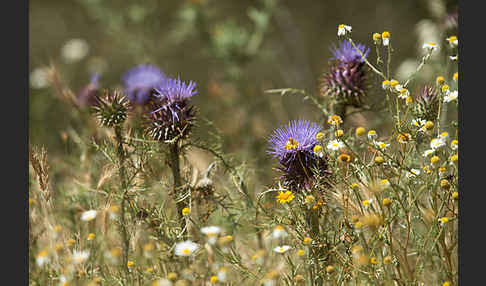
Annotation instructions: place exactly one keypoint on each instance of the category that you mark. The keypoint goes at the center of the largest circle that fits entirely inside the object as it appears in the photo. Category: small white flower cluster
(343, 30)
(419, 123)
(451, 96)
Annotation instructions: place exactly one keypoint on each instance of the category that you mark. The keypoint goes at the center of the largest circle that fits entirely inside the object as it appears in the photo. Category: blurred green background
(234, 50)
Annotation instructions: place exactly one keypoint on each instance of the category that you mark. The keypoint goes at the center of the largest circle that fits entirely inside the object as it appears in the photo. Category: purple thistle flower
(140, 81)
(347, 53)
(346, 79)
(172, 115)
(293, 146)
(87, 95)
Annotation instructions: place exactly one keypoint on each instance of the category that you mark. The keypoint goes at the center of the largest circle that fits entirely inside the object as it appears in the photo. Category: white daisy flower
(279, 232)
(431, 46)
(451, 96)
(381, 145)
(454, 144)
(80, 256)
(281, 249)
(419, 122)
(452, 41)
(42, 258)
(185, 248)
(372, 135)
(437, 143)
(385, 36)
(413, 173)
(453, 58)
(212, 233)
(88, 215)
(404, 93)
(429, 152)
(343, 29)
(335, 145)
(384, 184)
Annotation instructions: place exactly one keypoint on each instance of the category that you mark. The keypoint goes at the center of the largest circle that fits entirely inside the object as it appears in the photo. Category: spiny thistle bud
(293, 146)
(111, 108)
(172, 116)
(427, 104)
(346, 79)
(140, 81)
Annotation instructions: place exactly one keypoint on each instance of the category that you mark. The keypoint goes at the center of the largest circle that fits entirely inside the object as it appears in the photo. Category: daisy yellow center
(444, 219)
(386, 82)
(445, 88)
(317, 148)
(394, 83)
(452, 39)
(376, 36)
(403, 91)
(186, 251)
(291, 144)
(366, 203)
(440, 80)
(341, 26)
(385, 35)
(382, 145)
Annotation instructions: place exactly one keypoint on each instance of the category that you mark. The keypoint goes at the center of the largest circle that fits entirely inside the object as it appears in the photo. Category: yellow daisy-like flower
(214, 279)
(443, 220)
(376, 37)
(300, 252)
(385, 84)
(373, 260)
(91, 236)
(130, 263)
(186, 211)
(317, 149)
(285, 197)
(386, 38)
(309, 199)
(440, 80)
(452, 41)
(344, 158)
(455, 195)
(319, 135)
(387, 201)
(307, 240)
(408, 100)
(334, 120)
(404, 137)
(455, 77)
(339, 133)
(360, 131)
(447, 283)
(445, 88)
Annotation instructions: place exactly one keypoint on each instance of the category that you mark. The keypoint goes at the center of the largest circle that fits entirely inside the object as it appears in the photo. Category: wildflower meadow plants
(349, 206)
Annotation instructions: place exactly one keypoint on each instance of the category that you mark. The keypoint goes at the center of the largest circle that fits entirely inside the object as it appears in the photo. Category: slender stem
(176, 175)
(124, 188)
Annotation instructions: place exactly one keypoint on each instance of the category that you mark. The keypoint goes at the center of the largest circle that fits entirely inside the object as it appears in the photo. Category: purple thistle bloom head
(140, 81)
(347, 53)
(172, 114)
(346, 79)
(293, 146)
(87, 95)
(173, 90)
